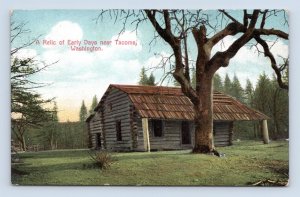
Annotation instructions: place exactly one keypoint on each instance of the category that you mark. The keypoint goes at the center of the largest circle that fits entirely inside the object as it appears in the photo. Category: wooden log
(265, 132)
(146, 134)
(230, 133)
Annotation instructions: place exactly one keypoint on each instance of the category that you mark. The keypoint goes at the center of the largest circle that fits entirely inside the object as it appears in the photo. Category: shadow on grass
(283, 171)
(48, 168)
(276, 166)
(154, 155)
(81, 165)
(54, 154)
(17, 172)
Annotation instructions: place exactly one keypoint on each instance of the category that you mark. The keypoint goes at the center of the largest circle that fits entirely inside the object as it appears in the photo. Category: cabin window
(98, 140)
(157, 127)
(119, 130)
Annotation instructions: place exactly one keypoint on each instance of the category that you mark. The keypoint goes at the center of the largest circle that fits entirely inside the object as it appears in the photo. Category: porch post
(265, 132)
(146, 134)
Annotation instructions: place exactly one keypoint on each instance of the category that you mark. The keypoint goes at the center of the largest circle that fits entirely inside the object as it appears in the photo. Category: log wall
(94, 126)
(116, 107)
(223, 133)
(171, 139)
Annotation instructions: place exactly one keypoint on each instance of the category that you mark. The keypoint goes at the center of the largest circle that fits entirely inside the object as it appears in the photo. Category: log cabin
(144, 118)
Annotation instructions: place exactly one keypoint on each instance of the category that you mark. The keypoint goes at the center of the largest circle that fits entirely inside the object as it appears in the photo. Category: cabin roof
(159, 102)
(89, 117)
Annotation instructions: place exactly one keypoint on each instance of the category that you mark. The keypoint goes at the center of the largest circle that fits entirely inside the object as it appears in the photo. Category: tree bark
(23, 144)
(19, 132)
(204, 118)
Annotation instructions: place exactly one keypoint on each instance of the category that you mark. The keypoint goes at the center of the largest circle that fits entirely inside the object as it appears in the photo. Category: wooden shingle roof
(159, 102)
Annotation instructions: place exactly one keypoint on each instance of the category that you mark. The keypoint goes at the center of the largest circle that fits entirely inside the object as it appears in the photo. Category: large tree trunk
(19, 133)
(23, 144)
(204, 118)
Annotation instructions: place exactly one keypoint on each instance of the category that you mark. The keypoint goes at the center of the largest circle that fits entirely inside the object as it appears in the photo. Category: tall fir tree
(143, 77)
(53, 128)
(47, 135)
(218, 84)
(227, 85)
(247, 129)
(279, 110)
(151, 80)
(94, 104)
(83, 112)
(262, 100)
(272, 100)
(249, 93)
(262, 94)
(82, 117)
(236, 89)
(54, 112)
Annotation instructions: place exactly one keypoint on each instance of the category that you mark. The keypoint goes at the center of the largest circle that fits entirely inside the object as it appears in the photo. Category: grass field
(244, 162)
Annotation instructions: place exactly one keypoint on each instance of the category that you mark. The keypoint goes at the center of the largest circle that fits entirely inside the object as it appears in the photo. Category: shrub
(102, 159)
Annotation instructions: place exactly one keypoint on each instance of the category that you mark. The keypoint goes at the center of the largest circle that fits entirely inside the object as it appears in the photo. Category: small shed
(144, 118)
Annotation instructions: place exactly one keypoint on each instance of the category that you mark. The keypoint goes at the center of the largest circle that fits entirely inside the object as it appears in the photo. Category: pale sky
(79, 75)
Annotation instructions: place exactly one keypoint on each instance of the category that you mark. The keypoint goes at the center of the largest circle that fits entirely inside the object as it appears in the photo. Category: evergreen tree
(83, 112)
(143, 77)
(151, 80)
(247, 129)
(272, 100)
(26, 105)
(262, 94)
(54, 113)
(52, 134)
(279, 110)
(227, 85)
(82, 117)
(262, 100)
(94, 104)
(249, 93)
(218, 85)
(236, 89)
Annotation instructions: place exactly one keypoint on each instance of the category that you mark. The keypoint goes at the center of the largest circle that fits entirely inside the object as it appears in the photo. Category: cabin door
(98, 140)
(185, 133)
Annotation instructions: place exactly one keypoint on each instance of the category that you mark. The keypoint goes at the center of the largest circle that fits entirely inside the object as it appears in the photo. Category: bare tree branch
(230, 17)
(274, 32)
(268, 54)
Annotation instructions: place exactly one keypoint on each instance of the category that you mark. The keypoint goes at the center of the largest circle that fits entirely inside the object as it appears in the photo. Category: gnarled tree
(207, 28)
